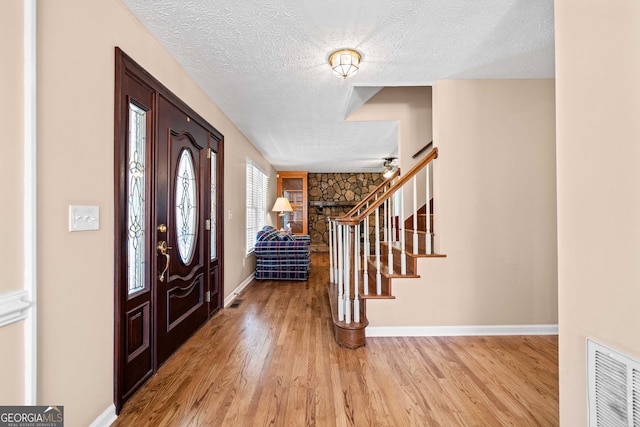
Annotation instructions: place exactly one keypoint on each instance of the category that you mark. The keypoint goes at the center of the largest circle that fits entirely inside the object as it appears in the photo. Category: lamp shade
(282, 205)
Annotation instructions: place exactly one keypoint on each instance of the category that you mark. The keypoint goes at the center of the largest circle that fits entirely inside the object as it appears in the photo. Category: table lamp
(282, 205)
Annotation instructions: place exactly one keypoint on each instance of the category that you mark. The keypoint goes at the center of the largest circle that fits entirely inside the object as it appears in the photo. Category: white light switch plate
(84, 218)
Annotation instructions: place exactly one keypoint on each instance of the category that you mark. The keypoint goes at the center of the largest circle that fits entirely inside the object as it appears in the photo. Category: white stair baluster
(378, 275)
(365, 261)
(331, 278)
(384, 220)
(356, 274)
(403, 253)
(390, 235)
(415, 215)
(427, 238)
(335, 249)
(347, 273)
(340, 236)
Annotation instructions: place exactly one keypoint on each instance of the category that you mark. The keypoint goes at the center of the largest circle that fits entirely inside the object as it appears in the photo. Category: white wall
(495, 211)
(598, 109)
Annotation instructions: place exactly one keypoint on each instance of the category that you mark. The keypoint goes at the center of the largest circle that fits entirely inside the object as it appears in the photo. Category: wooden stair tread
(397, 247)
(384, 269)
(371, 287)
(410, 230)
(370, 296)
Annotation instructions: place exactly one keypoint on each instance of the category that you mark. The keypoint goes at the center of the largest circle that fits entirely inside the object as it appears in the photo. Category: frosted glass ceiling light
(345, 62)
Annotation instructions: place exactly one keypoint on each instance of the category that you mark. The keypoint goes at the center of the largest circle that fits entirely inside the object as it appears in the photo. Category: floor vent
(614, 387)
(236, 303)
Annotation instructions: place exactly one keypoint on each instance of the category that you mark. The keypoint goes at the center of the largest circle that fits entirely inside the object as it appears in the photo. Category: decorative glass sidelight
(214, 215)
(186, 204)
(136, 159)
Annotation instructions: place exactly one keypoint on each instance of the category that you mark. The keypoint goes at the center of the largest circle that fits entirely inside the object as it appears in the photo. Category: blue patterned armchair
(282, 256)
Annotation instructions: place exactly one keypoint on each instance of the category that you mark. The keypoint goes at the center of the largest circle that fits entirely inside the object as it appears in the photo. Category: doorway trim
(126, 66)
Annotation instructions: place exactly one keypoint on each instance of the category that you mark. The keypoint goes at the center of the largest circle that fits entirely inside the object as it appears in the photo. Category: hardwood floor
(273, 362)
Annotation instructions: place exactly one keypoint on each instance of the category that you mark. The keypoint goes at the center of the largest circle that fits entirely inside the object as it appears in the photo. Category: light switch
(84, 218)
(230, 214)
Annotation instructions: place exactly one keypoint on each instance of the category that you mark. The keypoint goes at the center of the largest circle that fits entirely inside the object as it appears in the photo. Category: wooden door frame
(125, 65)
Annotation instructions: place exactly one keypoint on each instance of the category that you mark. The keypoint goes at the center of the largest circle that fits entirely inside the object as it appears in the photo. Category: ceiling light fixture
(388, 172)
(344, 63)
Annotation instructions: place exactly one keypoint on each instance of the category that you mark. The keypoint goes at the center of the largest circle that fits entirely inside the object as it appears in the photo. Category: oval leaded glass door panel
(186, 207)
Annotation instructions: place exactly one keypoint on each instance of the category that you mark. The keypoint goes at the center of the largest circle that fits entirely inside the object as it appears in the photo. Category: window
(186, 205)
(257, 183)
(214, 205)
(136, 232)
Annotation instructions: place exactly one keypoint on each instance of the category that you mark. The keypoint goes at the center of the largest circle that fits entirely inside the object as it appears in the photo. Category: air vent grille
(614, 387)
(636, 397)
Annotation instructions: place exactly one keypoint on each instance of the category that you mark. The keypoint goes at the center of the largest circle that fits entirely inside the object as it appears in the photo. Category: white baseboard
(14, 306)
(437, 331)
(106, 418)
(228, 300)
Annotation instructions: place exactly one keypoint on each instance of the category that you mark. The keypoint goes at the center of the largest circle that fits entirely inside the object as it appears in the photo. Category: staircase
(369, 248)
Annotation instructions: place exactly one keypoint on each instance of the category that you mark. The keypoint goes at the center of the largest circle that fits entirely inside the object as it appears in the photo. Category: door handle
(162, 250)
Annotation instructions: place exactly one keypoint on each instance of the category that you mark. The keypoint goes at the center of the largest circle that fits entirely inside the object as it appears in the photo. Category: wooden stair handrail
(371, 195)
(354, 220)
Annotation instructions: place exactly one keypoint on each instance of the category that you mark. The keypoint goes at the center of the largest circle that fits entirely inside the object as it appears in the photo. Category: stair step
(385, 287)
(397, 248)
(410, 231)
(352, 335)
(385, 279)
(384, 269)
(408, 237)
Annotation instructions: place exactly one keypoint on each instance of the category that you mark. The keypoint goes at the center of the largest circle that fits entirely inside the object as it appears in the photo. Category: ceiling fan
(390, 166)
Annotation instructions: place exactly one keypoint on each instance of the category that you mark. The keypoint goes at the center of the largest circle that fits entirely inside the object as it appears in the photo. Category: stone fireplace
(333, 195)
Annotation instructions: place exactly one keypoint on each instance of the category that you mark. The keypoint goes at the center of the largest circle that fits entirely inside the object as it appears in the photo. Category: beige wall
(76, 41)
(598, 108)
(11, 250)
(411, 108)
(11, 88)
(12, 364)
(495, 211)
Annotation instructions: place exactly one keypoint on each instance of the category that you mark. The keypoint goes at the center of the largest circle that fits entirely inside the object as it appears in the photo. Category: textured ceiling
(265, 63)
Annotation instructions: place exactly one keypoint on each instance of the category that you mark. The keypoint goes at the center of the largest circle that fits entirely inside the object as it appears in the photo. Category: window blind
(257, 184)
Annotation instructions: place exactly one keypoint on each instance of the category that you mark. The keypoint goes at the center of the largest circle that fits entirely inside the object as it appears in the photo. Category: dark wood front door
(168, 211)
(182, 197)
